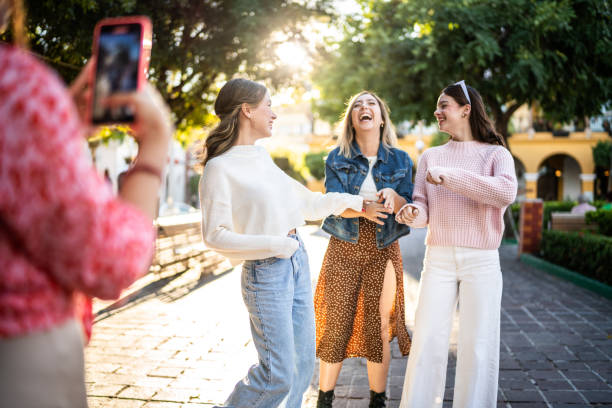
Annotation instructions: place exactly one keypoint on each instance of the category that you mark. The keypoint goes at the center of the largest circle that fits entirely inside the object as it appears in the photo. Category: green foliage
(555, 206)
(598, 203)
(193, 186)
(196, 44)
(515, 209)
(602, 152)
(439, 139)
(315, 162)
(603, 219)
(289, 167)
(554, 52)
(587, 254)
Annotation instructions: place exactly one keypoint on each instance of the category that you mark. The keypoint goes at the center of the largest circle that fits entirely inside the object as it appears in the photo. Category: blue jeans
(278, 296)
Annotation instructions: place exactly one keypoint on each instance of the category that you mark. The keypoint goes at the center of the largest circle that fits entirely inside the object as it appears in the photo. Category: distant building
(551, 163)
(116, 156)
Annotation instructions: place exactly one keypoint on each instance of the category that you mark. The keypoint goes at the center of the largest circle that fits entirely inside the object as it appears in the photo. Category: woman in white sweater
(250, 212)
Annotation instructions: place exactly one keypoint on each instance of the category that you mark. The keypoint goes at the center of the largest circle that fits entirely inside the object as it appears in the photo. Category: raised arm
(498, 190)
(316, 206)
(66, 216)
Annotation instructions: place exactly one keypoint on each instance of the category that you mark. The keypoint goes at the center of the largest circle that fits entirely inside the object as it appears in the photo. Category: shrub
(601, 154)
(315, 164)
(603, 219)
(587, 254)
(439, 139)
(285, 165)
(598, 203)
(515, 208)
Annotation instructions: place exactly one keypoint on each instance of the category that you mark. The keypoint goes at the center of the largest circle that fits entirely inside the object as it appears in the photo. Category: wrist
(153, 153)
(143, 167)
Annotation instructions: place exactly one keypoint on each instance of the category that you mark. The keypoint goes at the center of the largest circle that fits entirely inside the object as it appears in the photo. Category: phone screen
(119, 48)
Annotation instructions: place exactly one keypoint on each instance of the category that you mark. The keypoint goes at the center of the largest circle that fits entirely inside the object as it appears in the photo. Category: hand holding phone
(122, 49)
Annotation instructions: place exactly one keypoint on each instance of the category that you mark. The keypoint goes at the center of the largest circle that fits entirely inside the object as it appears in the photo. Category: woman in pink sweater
(461, 191)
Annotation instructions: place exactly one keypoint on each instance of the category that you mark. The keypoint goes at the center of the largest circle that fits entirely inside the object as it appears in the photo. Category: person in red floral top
(62, 231)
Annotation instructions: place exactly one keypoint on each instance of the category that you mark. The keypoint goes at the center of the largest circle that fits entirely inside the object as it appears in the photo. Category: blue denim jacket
(393, 168)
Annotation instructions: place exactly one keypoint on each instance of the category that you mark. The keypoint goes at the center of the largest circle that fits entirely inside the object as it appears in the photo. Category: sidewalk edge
(574, 277)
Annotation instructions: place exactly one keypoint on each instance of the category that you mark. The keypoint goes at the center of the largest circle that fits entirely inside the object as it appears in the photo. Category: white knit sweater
(249, 205)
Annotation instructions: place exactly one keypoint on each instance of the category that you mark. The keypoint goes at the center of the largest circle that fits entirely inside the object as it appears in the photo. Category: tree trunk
(501, 125)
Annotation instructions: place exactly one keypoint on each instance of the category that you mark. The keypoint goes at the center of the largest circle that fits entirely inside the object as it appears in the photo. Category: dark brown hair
(227, 107)
(482, 126)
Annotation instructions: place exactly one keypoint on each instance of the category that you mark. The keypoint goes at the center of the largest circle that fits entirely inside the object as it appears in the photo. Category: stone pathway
(180, 339)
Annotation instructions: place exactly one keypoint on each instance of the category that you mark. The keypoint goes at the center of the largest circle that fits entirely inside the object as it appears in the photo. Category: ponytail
(222, 137)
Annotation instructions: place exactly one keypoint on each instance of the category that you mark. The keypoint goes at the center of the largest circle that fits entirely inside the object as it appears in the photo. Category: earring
(463, 116)
(382, 124)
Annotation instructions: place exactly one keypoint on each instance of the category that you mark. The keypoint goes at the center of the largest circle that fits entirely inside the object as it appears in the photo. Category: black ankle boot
(377, 399)
(325, 399)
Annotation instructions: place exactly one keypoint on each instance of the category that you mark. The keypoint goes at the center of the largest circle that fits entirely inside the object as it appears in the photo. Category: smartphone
(122, 50)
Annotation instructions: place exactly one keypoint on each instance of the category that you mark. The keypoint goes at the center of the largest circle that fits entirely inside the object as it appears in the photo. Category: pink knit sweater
(467, 209)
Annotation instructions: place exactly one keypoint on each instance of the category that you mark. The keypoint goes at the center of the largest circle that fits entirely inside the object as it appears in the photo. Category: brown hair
(17, 19)
(227, 107)
(482, 126)
(388, 137)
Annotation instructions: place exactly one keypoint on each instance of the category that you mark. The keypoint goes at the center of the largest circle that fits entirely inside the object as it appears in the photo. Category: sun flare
(292, 54)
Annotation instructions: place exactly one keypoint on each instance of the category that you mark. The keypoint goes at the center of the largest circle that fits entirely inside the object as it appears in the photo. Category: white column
(531, 185)
(588, 181)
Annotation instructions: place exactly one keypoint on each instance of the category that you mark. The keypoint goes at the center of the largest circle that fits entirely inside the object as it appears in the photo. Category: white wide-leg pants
(472, 276)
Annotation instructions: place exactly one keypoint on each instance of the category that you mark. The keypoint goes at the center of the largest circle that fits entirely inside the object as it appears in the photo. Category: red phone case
(146, 41)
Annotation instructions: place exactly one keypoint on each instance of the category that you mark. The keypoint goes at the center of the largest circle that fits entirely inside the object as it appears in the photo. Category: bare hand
(435, 175)
(387, 197)
(407, 214)
(81, 93)
(152, 123)
(375, 212)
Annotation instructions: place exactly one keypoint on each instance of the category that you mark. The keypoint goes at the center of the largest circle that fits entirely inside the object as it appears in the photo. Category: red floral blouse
(62, 231)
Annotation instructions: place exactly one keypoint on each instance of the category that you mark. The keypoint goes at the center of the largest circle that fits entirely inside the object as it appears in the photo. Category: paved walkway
(182, 340)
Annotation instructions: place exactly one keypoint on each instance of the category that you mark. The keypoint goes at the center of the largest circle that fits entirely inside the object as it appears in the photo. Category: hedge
(587, 254)
(603, 219)
(315, 162)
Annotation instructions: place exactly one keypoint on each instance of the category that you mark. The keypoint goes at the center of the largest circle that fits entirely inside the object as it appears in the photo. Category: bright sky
(297, 56)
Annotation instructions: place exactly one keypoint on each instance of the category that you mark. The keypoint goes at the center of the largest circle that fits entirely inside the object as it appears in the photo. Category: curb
(574, 277)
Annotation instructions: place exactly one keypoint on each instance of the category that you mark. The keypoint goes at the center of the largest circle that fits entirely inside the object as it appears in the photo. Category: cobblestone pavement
(180, 339)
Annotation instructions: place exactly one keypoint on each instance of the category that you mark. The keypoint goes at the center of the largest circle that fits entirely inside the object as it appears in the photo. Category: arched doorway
(559, 178)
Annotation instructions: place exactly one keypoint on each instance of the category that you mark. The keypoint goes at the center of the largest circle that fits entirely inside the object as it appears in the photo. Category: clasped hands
(377, 211)
(409, 212)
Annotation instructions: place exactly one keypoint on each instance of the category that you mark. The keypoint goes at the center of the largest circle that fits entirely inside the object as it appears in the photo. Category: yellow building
(548, 167)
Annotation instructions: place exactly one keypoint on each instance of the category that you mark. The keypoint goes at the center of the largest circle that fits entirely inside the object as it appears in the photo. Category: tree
(196, 44)
(553, 52)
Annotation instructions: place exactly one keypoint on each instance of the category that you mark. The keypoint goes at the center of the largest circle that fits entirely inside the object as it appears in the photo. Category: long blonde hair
(388, 137)
(227, 107)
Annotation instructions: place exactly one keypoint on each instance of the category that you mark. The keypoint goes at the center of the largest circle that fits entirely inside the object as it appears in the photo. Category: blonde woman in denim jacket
(359, 300)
